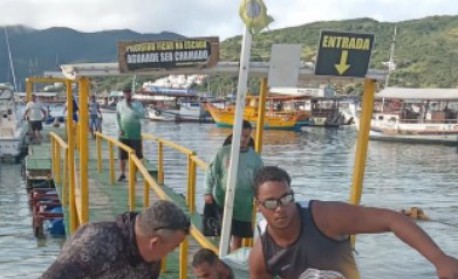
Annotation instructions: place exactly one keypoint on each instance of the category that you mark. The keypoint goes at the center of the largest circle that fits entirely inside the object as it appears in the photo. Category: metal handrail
(149, 182)
(114, 142)
(135, 164)
(169, 143)
(58, 145)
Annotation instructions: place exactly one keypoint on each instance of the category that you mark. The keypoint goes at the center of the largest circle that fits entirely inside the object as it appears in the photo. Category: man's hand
(208, 198)
(447, 267)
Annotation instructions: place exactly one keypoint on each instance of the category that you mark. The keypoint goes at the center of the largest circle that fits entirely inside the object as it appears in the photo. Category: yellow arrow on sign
(342, 67)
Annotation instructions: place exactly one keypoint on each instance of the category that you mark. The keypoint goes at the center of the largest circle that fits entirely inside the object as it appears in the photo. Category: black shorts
(239, 228)
(135, 144)
(242, 229)
(36, 125)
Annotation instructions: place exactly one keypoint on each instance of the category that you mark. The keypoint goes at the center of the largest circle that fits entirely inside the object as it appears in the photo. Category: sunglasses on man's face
(272, 204)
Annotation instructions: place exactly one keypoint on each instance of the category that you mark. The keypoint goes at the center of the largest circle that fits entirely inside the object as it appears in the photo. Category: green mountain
(425, 53)
(35, 51)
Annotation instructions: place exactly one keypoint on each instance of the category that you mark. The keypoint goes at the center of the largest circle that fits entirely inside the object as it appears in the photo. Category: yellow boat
(278, 115)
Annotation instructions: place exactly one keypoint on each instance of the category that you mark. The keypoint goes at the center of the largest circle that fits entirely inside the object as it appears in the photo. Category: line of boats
(400, 114)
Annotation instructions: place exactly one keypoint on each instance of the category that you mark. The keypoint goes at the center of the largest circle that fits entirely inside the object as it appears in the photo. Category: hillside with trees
(425, 53)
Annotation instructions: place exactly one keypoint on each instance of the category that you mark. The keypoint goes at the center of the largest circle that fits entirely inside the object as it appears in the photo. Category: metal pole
(235, 146)
(28, 90)
(261, 114)
(160, 162)
(111, 162)
(192, 194)
(64, 184)
(84, 148)
(132, 182)
(363, 141)
(189, 178)
(71, 157)
(98, 143)
(57, 157)
(184, 259)
(145, 194)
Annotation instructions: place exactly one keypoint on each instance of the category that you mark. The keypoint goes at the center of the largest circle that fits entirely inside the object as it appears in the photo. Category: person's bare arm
(338, 219)
(256, 263)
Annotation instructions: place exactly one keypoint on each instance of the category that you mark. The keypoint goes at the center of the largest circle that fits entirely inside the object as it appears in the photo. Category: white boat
(159, 115)
(13, 128)
(414, 115)
(194, 112)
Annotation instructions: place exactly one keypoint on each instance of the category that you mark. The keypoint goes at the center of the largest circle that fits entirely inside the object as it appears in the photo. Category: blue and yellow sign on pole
(344, 54)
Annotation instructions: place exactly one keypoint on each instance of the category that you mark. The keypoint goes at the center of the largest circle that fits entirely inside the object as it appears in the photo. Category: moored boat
(415, 115)
(277, 116)
(13, 128)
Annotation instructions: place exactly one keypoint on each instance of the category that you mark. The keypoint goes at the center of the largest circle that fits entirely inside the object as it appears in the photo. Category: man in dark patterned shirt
(130, 247)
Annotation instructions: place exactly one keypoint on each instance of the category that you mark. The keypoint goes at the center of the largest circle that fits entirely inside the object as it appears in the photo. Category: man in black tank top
(312, 241)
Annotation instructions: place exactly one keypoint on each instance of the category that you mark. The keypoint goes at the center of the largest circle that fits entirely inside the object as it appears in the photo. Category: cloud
(204, 17)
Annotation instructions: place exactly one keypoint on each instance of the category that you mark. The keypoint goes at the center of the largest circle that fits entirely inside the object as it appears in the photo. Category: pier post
(28, 90)
(132, 182)
(184, 259)
(160, 162)
(363, 141)
(98, 143)
(58, 158)
(111, 162)
(261, 113)
(188, 186)
(192, 193)
(71, 158)
(145, 194)
(84, 148)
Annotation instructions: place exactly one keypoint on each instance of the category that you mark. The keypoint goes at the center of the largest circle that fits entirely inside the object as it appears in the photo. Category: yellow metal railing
(64, 177)
(136, 165)
(191, 166)
(112, 142)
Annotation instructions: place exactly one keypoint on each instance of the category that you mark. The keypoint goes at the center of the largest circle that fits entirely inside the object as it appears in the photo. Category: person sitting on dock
(207, 265)
(216, 179)
(129, 114)
(35, 113)
(130, 247)
(300, 240)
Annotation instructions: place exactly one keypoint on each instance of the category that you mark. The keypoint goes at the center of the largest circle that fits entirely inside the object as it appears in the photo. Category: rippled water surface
(321, 164)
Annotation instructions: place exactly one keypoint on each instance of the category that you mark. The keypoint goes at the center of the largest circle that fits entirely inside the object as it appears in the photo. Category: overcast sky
(205, 17)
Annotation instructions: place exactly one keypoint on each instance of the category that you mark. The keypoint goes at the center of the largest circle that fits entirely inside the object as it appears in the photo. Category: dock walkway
(107, 200)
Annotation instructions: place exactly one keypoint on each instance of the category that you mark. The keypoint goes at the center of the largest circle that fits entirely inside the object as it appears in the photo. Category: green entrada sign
(344, 54)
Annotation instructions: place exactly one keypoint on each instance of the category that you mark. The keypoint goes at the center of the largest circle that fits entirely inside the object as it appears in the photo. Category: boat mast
(10, 58)
(391, 65)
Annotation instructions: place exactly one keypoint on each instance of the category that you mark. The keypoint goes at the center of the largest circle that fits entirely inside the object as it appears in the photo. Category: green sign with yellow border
(344, 54)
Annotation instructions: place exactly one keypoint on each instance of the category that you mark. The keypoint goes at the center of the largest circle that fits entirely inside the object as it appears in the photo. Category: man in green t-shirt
(216, 180)
(129, 114)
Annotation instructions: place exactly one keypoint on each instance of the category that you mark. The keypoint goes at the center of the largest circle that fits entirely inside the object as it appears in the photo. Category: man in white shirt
(35, 113)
